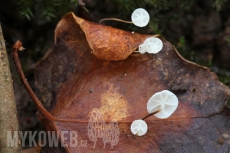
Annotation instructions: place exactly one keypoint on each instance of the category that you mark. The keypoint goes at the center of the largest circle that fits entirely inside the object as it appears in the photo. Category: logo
(97, 128)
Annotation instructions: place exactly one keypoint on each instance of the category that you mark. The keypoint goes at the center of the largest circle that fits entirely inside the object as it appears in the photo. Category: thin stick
(18, 46)
(151, 114)
(115, 19)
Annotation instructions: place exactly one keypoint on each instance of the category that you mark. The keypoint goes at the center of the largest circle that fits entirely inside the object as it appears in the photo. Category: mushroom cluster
(140, 18)
(161, 105)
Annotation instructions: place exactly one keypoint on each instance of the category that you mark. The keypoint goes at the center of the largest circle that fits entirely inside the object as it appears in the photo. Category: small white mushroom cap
(165, 101)
(139, 127)
(140, 17)
(151, 45)
(143, 48)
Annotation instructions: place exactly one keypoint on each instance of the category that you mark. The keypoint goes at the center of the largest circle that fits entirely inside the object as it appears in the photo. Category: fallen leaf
(106, 42)
(91, 74)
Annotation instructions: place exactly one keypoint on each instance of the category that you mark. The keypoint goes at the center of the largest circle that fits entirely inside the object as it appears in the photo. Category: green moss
(47, 9)
(218, 4)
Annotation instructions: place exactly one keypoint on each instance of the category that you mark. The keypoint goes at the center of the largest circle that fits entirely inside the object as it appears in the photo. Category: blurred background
(200, 30)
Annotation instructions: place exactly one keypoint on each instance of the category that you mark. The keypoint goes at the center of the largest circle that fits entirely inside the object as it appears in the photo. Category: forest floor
(201, 34)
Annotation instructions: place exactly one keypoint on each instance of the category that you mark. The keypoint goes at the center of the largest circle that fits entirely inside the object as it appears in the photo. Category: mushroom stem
(115, 19)
(151, 114)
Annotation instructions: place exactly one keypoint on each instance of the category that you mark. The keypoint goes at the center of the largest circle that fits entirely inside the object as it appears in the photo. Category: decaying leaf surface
(76, 82)
(106, 42)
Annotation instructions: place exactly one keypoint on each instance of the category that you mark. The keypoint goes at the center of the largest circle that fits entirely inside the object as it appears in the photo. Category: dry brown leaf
(106, 42)
(78, 85)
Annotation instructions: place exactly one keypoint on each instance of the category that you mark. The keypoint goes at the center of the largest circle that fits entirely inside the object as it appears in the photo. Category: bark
(8, 112)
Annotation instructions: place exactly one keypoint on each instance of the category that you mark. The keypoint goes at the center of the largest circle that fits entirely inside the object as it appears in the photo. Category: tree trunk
(9, 138)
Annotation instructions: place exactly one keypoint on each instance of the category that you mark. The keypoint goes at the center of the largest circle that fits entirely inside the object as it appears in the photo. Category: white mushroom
(143, 48)
(165, 101)
(151, 45)
(140, 17)
(139, 127)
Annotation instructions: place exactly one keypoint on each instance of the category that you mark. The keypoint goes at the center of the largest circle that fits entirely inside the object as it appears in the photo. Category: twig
(115, 19)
